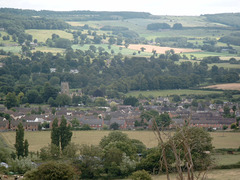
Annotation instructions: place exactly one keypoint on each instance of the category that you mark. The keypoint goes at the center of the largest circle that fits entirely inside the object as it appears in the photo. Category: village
(127, 117)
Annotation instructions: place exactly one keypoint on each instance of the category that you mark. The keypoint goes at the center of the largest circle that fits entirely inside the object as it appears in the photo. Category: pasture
(115, 48)
(223, 174)
(38, 139)
(43, 35)
(48, 49)
(165, 93)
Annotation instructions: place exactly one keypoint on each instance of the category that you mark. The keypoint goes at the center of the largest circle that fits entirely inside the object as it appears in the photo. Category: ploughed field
(39, 139)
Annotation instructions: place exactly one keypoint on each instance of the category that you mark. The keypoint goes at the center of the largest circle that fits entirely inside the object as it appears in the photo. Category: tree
(114, 126)
(11, 100)
(61, 135)
(19, 146)
(185, 150)
(63, 99)
(163, 120)
(177, 26)
(51, 171)
(26, 148)
(55, 133)
(65, 133)
(176, 98)
(131, 100)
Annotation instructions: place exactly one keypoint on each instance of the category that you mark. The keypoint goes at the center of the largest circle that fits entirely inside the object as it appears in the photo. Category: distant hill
(230, 19)
(78, 15)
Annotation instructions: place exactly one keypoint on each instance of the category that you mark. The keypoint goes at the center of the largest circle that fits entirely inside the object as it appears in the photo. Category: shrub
(51, 171)
(141, 175)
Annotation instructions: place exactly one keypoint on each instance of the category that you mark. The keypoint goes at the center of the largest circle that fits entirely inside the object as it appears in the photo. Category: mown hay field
(38, 139)
(158, 49)
(229, 86)
(170, 92)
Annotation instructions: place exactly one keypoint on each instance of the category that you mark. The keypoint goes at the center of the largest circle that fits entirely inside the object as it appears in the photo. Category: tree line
(38, 77)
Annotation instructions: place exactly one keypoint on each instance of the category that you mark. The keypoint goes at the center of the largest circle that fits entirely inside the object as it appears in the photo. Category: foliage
(141, 175)
(21, 165)
(19, 145)
(163, 120)
(51, 171)
(114, 126)
(49, 152)
(65, 133)
(89, 162)
(157, 26)
(70, 150)
(11, 100)
(131, 100)
(61, 135)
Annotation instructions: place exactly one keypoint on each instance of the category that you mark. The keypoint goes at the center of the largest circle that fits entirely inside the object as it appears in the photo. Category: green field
(226, 159)
(115, 48)
(39, 139)
(14, 49)
(43, 35)
(165, 93)
(49, 49)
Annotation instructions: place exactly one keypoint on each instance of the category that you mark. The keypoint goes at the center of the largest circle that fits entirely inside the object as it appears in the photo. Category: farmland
(223, 174)
(39, 139)
(230, 86)
(170, 92)
(149, 48)
(43, 35)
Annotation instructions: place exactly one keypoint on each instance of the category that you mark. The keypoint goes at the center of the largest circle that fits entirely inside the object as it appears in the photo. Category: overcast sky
(156, 7)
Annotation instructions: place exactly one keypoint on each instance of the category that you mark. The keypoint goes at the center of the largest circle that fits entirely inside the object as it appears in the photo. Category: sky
(155, 7)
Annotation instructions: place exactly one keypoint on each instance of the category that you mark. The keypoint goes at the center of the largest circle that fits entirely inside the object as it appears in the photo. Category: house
(93, 123)
(28, 126)
(4, 125)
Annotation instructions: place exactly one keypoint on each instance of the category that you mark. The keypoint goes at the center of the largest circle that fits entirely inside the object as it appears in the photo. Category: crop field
(229, 86)
(149, 48)
(39, 139)
(170, 92)
(43, 35)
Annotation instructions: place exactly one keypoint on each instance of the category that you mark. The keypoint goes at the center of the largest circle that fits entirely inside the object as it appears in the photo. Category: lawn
(43, 35)
(39, 139)
(170, 92)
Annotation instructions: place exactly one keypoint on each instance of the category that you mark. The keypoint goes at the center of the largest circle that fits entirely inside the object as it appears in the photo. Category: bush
(21, 165)
(51, 171)
(141, 175)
